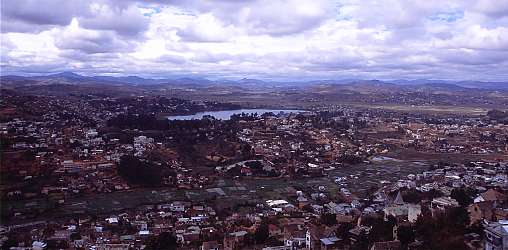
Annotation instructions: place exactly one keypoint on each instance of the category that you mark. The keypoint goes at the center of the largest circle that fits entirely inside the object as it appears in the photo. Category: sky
(263, 39)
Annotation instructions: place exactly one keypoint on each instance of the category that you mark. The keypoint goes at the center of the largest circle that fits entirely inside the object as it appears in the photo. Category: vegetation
(262, 233)
(142, 172)
(444, 231)
(463, 196)
(165, 241)
(328, 219)
(142, 122)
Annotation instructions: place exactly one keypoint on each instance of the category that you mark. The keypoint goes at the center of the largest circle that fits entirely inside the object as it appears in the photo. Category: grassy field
(429, 109)
(412, 155)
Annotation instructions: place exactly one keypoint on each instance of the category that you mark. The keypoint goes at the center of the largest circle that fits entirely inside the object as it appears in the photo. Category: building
(403, 211)
(386, 245)
(496, 235)
(481, 210)
(490, 195)
(440, 204)
(210, 245)
(294, 236)
(329, 243)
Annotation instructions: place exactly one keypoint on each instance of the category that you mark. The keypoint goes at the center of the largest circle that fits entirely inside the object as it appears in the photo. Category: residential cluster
(91, 172)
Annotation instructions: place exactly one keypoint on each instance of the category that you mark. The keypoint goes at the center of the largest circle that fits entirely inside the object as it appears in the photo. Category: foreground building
(496, 235)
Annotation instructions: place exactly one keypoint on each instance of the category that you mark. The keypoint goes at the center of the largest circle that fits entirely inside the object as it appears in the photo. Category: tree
(405, 234)
(350, 159)
(425, 227)
(433, 193)
(308, 208)
(497, 114)
(342, 230)
(262, 233)
(142, 122)
(10, 242)
(412, 196)
(328, 219)
(142, 172)
(75, 236)
(462, 196)
(444, 231)
(381, 230)
(165, 241)
(362, 243)
(273, 241)
(457, 217)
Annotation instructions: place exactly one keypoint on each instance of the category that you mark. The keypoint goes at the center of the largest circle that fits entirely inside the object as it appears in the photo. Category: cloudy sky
(272, 39)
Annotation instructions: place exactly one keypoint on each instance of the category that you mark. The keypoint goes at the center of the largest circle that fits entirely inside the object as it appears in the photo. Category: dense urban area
(83, 169)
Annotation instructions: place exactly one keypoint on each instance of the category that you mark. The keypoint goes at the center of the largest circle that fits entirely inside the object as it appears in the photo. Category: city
(109, 173)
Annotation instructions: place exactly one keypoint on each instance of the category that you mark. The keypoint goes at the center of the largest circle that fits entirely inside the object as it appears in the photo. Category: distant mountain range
(73, 78)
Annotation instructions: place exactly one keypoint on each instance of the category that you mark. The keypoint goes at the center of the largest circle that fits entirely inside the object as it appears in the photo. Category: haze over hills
(263, 93)
(378, 85)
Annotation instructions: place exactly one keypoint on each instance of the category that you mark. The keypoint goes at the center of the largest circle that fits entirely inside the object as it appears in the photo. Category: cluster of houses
(64, 157)
(292, 223)
(472, 135)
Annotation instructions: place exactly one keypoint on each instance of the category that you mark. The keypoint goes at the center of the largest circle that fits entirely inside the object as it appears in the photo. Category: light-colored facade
(496, 235)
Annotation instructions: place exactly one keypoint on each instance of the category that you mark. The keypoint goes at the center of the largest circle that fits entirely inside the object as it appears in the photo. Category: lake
(226, 114)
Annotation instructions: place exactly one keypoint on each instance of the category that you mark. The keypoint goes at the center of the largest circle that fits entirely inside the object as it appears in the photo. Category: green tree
(406, 235)
(462, 196)
(165, 241)
(328, 219)
(262, 233)
(381, 230)
(457, 217)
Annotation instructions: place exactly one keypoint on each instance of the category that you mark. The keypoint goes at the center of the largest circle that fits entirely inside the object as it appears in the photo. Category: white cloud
(259, 38)
(74, 37)
(207, 28)
(494, 8)
(128, 21)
